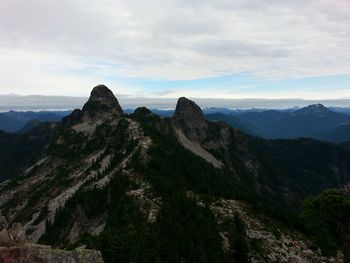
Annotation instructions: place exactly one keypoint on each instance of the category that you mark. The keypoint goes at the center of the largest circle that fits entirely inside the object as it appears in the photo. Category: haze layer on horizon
(48, 103)
(166, 49)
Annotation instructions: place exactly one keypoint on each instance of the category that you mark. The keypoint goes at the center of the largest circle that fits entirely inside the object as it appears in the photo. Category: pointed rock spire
(190, 119)
(101, 100)
(101, 104)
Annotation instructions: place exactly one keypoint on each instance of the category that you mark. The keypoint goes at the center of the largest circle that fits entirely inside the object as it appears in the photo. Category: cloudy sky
(171, 48)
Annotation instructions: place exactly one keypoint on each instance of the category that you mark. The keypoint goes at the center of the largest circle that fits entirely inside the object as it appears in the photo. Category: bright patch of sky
(244, 86)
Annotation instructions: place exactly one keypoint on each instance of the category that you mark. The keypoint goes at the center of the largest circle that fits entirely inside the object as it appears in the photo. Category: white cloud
(167, 39)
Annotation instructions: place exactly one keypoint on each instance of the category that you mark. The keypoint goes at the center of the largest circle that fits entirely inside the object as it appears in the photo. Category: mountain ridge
(125, 183)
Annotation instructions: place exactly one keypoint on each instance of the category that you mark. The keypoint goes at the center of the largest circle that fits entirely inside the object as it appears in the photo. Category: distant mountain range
(233, 121)
(42, 103)
(338, 134)
(13, 121)
(314, 121)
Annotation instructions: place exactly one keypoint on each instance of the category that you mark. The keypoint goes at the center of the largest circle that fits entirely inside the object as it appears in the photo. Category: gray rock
(3, 222)
(17, 233)
(101, 103)
(4, 238)
(190, 119)
(45, 254)
(102, 99)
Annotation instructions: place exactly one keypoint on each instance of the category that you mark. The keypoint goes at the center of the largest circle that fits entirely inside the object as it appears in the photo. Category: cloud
(163, 93)
(168, 39)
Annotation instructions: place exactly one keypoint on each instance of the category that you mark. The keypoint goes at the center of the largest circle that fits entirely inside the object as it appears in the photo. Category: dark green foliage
(238, 240)
(322, 215)
(42, 215)
(189, 232)
(338, 134)
(67, 144)
(183, 230)
(346, 144)
(305, 164)
(172, 166)
(19, 151)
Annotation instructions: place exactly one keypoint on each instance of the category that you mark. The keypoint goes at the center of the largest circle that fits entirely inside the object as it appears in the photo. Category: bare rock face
(101, 105)
(45, 254)
(4, 238)
(190, 119)
(102, 99)
(16, 233)
(192, 130)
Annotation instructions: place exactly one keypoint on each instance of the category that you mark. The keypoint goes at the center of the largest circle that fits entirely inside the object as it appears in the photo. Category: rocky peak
(188, 110)
(101, 105)
(143, 111)
(101, 100)
(190, 119)
(314, 109)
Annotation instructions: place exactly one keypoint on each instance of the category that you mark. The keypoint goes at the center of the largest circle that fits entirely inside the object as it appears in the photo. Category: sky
(232, 49)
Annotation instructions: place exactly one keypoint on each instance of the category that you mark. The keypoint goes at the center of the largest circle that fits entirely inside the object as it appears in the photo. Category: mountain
(141, 188)
(233, 121)
(309, 120)
(163, 113)
(338, 134)
(13, 121)
(346, 144)
(9, 124)
(264, 121)
(305, 122)
(340, 109)
(29, 126)
(20, 151)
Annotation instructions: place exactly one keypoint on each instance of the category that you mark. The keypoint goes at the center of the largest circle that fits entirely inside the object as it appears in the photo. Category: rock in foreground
(32, 253)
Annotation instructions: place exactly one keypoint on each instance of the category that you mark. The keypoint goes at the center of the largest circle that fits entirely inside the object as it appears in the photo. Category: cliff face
(189, 118)
(102, 100)
(102, 106)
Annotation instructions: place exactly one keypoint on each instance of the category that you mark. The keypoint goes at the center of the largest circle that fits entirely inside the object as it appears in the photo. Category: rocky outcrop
(267, 240)
(190, 119)
(196, 134)
(102, 99)
(101, 106)
(90, 148)
(29, 253)
(72, 119)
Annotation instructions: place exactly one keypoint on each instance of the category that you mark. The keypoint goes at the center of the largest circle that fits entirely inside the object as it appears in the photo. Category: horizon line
(172, 98)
